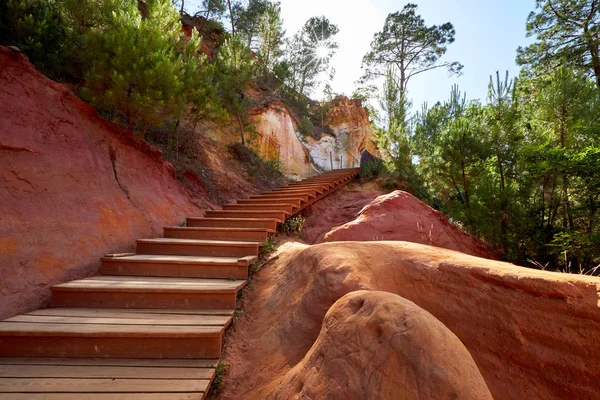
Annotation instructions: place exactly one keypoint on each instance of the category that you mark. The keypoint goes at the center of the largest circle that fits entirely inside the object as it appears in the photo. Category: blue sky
(488, 33)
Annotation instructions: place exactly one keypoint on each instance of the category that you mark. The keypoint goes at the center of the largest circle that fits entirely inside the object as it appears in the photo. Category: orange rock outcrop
(377, 345)
(532, 334)
(74, 187)
(401, 216)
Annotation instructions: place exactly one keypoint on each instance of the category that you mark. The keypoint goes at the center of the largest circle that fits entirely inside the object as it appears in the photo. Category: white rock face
(277, 138)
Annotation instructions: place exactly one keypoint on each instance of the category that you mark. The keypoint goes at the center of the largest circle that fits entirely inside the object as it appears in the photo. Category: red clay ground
(532, 334)
(337, 209)
(401, 216)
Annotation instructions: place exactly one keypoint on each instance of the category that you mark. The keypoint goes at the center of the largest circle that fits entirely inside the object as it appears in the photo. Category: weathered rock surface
(338, 208)
(277, 139)
(532, 334)
(401, 216)
(352, 130)
(377, 345)
(73, 187)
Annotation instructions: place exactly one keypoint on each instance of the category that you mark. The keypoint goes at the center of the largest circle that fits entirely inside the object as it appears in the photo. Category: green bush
(306, 126)
(293, 226)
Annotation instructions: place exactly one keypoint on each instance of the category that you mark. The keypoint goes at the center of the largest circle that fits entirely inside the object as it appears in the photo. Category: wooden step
(314, 192)
(112, 334)
(191, 247)
(216, 233)
(288, 208)
(296, 202)
(147, 292)
(266, 223)
(306, 197)
(25, 378)
(178, 266)
(306, 189)
(279, 215)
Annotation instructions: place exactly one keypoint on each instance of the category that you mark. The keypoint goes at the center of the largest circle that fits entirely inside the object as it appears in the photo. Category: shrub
(306, 127)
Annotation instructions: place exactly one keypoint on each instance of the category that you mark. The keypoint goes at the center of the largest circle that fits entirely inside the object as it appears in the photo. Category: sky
(488, 33)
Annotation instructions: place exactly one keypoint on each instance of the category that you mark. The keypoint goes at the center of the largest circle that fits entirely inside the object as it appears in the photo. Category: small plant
(268, 246)
(219, 379)
(306, 127)
(237, 314)
(293, 226)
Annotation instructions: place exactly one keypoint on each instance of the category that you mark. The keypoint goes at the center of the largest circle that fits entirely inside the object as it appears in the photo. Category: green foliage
(409, 47)
(293, 226)
(219, 379)
(306, 126)
(566, 33)
(268, 246)
(308, 54)
(136, 67)
(372, 170)
(235, 68)
(520, 172)
(40, 30)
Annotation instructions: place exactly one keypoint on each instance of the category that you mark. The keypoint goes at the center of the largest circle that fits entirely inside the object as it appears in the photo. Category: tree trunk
(465, 184)
(231, 17)
(593, 48)
(241, 129)
(503, 206)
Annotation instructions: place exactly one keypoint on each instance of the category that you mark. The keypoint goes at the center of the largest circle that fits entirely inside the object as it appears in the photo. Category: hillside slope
(74, 187)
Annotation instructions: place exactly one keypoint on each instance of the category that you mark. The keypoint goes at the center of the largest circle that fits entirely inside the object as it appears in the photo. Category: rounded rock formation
(401, 216)
(377, 345)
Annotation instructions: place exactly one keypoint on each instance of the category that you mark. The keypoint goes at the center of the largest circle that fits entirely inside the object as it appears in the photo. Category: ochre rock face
(277, 139)
(74, 187)
(377, 345)
(533, 334)
(352, 130)
(401, 216)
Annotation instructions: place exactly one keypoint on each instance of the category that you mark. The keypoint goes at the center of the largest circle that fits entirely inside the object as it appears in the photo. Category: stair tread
(127, 312)
(125, 283)
(116, 318)
(107, 330)
(232, 219)
(110, 385)
(151, 258)
(113, 362)
(198, 242)
(216, 229)
(101, 371)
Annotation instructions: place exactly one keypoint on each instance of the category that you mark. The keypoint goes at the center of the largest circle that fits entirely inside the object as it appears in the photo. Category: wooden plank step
(47, 336)
(178, 266)
(147, 292)
(266, 223)
(279, 215)
(190, 247)
(77, 371)
(66, 385)
(104, 396)
(216, 233)
(305, 189)
(306, 197)
(113, 362)
(288, 208)
(127, 313)
(287, 200)
(114, 318)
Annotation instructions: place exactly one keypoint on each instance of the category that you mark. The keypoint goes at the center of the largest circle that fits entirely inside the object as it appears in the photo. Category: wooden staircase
(150, 327)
